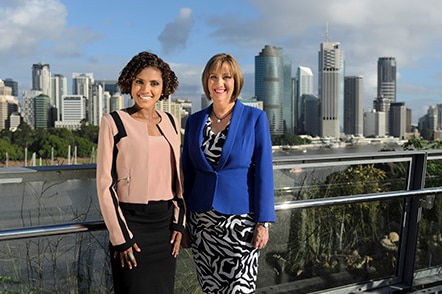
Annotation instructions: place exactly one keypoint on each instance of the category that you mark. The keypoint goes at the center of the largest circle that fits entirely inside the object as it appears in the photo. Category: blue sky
(101, 36)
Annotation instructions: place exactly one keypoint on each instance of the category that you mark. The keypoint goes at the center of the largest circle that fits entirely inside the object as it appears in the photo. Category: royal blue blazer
(243, 180)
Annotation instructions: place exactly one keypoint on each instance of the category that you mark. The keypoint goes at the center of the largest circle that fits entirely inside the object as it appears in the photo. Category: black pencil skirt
(155, 271)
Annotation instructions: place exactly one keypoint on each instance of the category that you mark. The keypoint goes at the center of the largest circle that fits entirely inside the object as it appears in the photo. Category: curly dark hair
(138, 63)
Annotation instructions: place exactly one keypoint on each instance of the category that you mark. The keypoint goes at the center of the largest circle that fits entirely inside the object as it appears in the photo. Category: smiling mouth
(146, 97)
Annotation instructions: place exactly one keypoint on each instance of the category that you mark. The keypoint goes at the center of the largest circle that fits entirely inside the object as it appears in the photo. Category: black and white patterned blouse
(212, 145)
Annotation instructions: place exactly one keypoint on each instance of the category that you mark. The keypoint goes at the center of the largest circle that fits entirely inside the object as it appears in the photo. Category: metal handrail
(97, 225)
(51, 230)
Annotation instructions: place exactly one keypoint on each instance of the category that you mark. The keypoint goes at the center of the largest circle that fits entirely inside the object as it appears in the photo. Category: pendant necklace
(219, 119)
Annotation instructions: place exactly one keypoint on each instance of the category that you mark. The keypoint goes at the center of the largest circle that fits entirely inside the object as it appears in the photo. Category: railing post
(412, 213)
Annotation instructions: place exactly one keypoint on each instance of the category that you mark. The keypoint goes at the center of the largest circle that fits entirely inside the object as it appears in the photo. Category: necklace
(219, 119)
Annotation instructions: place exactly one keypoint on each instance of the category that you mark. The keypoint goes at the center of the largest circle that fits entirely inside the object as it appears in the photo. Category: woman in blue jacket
(228, 182)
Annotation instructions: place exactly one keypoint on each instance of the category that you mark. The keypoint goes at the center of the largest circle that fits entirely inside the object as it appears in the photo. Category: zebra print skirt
(226, 261)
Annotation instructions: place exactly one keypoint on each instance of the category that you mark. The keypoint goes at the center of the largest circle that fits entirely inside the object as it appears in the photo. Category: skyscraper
(41, 78)
(82, 83)
(42, 111)
(59, 88)
(273, 87)
(353, 103)
(13, 84)
(398, 119)
(331, 88)
(304, 86)
(387, 78)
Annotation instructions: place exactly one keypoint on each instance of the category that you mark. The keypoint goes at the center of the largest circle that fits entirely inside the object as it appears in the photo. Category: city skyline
(97, 37)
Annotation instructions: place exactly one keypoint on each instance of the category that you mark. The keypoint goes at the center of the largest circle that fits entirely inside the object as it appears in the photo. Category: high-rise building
(8, 106)
(310, 113)
(398, 117)
(439, 116)
(81, 84)
(59, 88)
(116, 102)
(13, 85)
(273, 86)
(387, 78)
(353, 104)
(304, 86)
(28, 107)
(41, 78)
(374, 124)
(96, 104)
(288, 105)
(73, 111)
(42, 112)
(109, 86)
(331, 88)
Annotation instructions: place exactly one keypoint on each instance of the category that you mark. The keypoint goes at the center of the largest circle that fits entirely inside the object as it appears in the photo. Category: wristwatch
(265, 225)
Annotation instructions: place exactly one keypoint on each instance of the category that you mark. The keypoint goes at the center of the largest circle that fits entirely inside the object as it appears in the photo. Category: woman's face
(147, 87)
(221, 84)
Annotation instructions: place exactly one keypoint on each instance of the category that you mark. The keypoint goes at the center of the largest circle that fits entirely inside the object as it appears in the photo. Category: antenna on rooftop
(326, 35)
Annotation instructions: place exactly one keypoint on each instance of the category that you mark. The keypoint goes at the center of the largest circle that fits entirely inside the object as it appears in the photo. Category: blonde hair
(214, 64)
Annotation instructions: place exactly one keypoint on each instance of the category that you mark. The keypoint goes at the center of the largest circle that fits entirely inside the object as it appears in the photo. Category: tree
(23, 136)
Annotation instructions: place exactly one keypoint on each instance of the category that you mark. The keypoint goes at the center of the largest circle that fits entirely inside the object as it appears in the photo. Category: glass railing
(345, 224)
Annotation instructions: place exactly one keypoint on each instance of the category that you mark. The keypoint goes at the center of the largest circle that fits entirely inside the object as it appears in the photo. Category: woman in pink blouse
(139, 183)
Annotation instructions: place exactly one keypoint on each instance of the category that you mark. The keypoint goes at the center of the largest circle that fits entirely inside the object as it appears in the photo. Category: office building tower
(408, 121)
(331, 88)
(381, 104)
(41, 78)
(28, 106)
(42, 108)
(73, 108)
(288, 105)
(171, 107)
(109, 86)
(15, 120)
(82, 83)
(8, 105)
(271, 87)
(59, 88)
(116, 102)
(439, 116)
(387, 78)
(398, 116)
(304, 86)
(106, 102)
(73, 111)
(353, 104)
(13, 85)
(309, 122)
(428, 124)
(374, 124)
(95, 104)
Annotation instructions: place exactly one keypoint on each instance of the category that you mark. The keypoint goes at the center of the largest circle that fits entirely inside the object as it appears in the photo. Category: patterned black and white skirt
(226, 261)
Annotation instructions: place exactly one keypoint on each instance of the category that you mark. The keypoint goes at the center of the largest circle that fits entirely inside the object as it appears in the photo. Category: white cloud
(24, 24)
(176, 33)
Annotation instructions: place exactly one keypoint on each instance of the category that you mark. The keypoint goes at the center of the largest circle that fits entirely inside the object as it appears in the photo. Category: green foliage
(47, 142)
(23, 136)
(89, 132)
(13, 151)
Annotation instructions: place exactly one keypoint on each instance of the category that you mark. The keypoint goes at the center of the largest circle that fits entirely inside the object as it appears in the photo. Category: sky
(101, 36)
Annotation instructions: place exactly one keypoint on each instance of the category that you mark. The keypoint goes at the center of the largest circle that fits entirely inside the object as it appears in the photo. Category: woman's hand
(128, 257)
(175, 239)
(260, 236)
